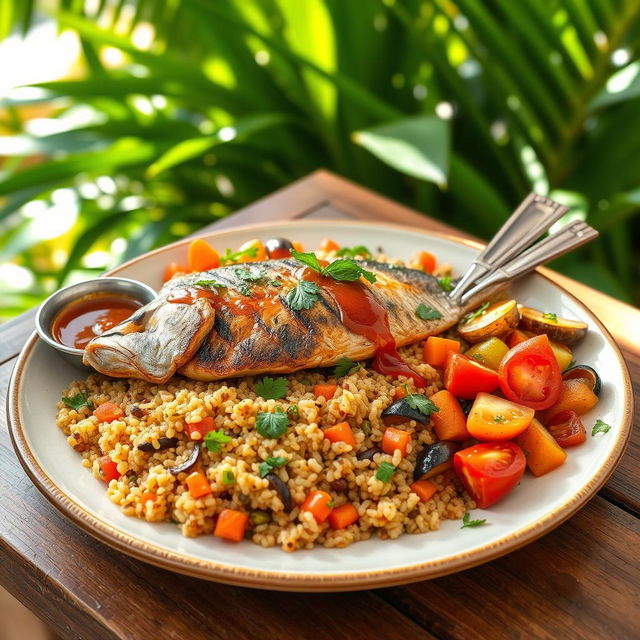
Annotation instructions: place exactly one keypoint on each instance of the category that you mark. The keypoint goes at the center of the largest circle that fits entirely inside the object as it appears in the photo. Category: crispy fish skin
(259, 332)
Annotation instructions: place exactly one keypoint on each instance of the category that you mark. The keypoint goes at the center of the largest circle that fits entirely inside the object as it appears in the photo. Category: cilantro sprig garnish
(352, 252)
(552, 317)
(215, 439)
(272, 425)
(303, 295)
(480, 311)
(445, 283)
(228, 477)
(499, 419)
(385, 471)
(342, 270)
(270, 464)
(293, 411)
(78, 401)
(345, 367)
(272, 389)
(427, 313)
(230, 256)
(209, 283)
(468, 522)
(600, 427)
(419, 402)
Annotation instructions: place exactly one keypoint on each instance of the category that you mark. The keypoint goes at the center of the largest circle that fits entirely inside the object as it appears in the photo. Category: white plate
(535, 507)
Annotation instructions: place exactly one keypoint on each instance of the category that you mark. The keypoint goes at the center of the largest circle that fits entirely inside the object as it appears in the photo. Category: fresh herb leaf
(352, 252)
(571, 364)
(385, 471)
(309, 259)
(347, 271)
(420, 403)
(277, 461)
(445, 283)
(271, 389)
(552, 317)
(214, 439)
(303, 295)
(467, 522)
(275, 283)
(228, 477)
(228, 256)
(270, 464)
(244, 289)
(259, 517)
(293, 411)
(248, 275)
(346, 367)
(427, 313)
(209, 283)
(499, 419)
(78, 401)
(600, 427)
(366, 427)
(331, 504)
(272, 425)
(480, 311)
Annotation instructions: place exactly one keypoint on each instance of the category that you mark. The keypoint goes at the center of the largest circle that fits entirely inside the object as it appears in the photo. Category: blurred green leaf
(621, 86)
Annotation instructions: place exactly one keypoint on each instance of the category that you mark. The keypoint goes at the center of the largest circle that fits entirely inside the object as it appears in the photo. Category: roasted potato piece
(559, 329)
(496, 320)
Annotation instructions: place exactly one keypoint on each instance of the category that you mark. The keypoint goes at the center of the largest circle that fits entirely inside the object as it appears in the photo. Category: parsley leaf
(271, 389)
(352, 252)
(228, 256)
(385, 471)
(445, 283)
(420, 403)
(209, 283)
(477, 313)
(249, 275)
(347, 271)
(427, 313)
(600, 427)
(78, 401)
(270, 464)
(499, 419)
(366, 427)
(571, 364)
(275, 283)
(303, 295)
(331, 504)
(345, 367)
(214, 439)
(467, 522)
(272, 425)
(293, 411)
(307, 258)
(552, 317)
(228, 477)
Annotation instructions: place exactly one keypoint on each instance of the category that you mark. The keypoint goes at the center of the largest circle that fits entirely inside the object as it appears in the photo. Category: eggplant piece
(585, 372)
(559, 329)
(281, 488)
(165, 443)
(278, 248)
(188, 463)
(496, 321)
(367, 454)
(400, 412)
(434, 459)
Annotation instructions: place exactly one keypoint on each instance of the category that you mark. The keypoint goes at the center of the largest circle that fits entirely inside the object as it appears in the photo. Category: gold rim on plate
(282, 580)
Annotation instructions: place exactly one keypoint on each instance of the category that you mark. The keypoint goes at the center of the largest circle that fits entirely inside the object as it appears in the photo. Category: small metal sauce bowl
(56, 302)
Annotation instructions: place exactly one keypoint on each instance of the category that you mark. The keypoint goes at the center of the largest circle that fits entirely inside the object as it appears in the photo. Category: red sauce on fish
(227, 298)
(82, 320)
(188, 295)
(364, 315)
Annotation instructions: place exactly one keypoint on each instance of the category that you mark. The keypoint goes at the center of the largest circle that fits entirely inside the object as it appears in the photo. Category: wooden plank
(14, 333)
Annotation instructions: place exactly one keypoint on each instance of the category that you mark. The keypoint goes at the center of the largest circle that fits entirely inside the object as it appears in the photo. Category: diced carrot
(399, 393)
(198, 485)
(298, 246)
(542, 451)
(198, 430)
(172, 269)
(342, 516)
(231, 525)
(108, 412)
(108, 469)
(202, 256)
(319, 504)
(426, 260)
(516, 337)
(424, 489)
(325, 390)
(340, 433)
(393, 439)
(436, 350)
(145, 497)
(576, 396)
(261, 252)
(329, 245)
(449, 421)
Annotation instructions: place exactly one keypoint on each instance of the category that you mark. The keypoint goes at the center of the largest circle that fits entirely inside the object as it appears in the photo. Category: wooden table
(580, 581)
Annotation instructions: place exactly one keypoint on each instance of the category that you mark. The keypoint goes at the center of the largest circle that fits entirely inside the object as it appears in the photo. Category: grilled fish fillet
(246, 326)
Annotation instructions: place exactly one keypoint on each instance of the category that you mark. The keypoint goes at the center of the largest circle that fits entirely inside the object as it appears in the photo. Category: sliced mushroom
(367, 454)
(497, 320)
(557, 328)
(281, 488)
(188, 463)
(164, 443)
(584, 372)
(434, 459)
(401, 411)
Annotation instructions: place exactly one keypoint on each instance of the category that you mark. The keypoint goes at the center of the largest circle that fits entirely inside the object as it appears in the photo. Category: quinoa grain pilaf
(146, 488)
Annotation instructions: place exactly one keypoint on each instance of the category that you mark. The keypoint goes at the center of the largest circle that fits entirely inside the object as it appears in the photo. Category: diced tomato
(342, 516)
(108, 469)
(543, 453)
(329, 245)
(198, 485)
(340, 433)
(108, 412)
(449, 420)
(261, 252)
(576, 395)
(492, 418)
(516, 337)
(424, 489)
(325, 390)
(231, 525)
(298, 246)
(426, 260)
(466, 378)
(489, 471)
(198, 430)
(529, 374)
(567, 428)
(202, 256)
(318, 503)
(399, 393)
(172, 269)
(393, 439)
(437, 350)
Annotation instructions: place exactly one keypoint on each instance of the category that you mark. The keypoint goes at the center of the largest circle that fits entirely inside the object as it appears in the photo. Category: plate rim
(313, 582)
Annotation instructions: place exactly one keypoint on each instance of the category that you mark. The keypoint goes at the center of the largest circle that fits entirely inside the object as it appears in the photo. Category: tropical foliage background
(180, 111)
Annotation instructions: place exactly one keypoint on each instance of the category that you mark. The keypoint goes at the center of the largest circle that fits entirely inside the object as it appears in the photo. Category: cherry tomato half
(492, 418)
(466, 378)
(529, 374)
(489, 470)
(567, 428)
